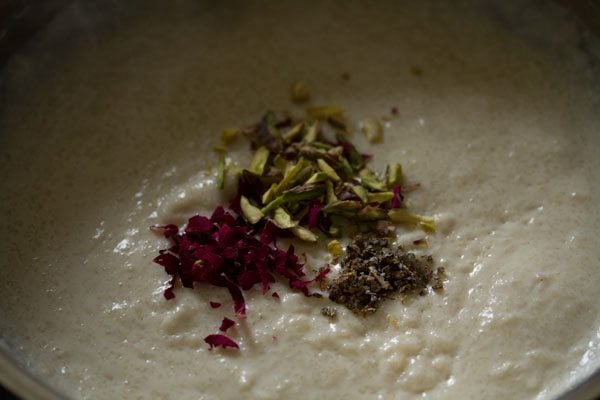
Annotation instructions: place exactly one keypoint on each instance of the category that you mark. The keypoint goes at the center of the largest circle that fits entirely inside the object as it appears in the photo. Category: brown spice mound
(373, 270)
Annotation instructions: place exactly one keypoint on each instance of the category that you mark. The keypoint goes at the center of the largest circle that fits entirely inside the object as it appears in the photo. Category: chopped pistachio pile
(306, 175)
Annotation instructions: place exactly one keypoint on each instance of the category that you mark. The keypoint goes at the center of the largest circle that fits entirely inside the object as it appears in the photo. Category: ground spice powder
(374, 270)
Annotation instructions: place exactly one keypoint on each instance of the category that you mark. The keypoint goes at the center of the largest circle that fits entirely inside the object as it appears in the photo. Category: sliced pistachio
(346, 167)
(427, 226)
(342, 206)
(290, 175)
(334, 231)
(312, 153)
(269, 194)
(229, 134)
(283, 220)
(302, 175)
(331, 197)
(273, 204)
(299, 92)
(336, 151)
(271, 121)
(354, 157)
(261, 156)
(334, 247)
(280, 163)
(294, 132)
(251, 214)
(303, 193)
(401, 215)
(293, 207)
(221, 171)
(379, 197)
(317, 177)
(323, 166)
(337, 122)
(304, 234)
(324, 112)
(368, 179)
(372, 129)
(372, 213)
(271, 175)
(393, 175)
(322, 146)
(219, 148)
(311, 132)
(361, 192)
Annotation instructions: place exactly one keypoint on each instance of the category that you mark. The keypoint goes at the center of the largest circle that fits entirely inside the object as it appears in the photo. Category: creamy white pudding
(106, 128)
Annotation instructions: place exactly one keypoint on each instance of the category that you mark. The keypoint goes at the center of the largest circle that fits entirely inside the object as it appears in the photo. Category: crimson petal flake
(313, 213)
(398, 198)
(224, 251)
(226, 324)
(220, 340)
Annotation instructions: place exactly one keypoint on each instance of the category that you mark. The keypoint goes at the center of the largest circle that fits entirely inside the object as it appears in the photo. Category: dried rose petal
(248, 279)
(214, 304)
(168, 261)
(269, 233)
(220, 340)
(220, 251)
(239, 304)
(198, 224)
(356, 159)
(398, 198)
(313, 212)
(322, 273)
(168, 293)
(169, 230)
(224, 251)
(301, 285)
(226, 324)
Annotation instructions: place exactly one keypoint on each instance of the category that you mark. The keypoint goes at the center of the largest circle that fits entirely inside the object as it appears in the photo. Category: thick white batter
(111, 134)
